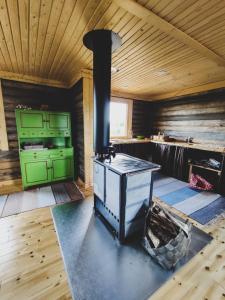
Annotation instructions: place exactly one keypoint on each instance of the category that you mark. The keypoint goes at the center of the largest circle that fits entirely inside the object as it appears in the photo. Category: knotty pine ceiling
(41, 42)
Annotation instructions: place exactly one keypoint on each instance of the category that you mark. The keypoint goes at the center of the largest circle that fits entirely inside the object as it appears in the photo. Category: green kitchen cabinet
(62, 168)
(34, 123)
(41, 166)
(59, 121)
(32, 120)
(35, 172)
(30, 123)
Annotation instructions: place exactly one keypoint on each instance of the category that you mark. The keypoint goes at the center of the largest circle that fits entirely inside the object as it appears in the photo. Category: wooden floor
(31, 266)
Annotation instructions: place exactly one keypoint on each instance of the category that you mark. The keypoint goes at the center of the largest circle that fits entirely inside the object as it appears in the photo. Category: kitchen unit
(45, 149)
(176, 158)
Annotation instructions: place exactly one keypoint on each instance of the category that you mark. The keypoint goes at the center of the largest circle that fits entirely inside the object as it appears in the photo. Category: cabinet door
(27, 120)
(62, 168)
(35, 172)
(58, 121)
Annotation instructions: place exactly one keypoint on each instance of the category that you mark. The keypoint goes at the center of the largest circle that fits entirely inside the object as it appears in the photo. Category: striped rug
(57, 193)
(199, 205)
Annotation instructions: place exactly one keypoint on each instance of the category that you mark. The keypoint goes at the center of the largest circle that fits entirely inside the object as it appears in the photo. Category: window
(120, 118)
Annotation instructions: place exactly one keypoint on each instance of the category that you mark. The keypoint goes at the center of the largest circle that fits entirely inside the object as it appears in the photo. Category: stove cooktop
(124, 164)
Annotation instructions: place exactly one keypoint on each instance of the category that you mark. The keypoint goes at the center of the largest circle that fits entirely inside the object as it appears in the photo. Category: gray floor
(98, 267)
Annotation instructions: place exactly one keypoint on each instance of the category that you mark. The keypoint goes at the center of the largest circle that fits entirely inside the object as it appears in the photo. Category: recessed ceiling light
(162, 72)
(114, 70)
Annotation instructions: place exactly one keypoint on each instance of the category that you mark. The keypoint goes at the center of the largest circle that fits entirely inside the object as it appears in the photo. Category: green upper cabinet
(33, 123)
(60, 121)
(34, 120)
(30, 122)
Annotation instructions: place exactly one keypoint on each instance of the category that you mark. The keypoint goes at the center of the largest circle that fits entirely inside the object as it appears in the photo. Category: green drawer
(31, 154)
(51, 153)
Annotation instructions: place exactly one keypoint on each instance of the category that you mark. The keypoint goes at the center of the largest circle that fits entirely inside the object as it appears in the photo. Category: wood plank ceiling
(170, 47)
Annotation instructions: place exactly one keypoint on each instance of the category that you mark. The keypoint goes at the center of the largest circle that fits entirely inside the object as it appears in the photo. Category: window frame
(129, 103)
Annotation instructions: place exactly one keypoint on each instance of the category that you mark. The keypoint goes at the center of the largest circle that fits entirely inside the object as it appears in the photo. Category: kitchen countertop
(130, 141)
(207, 147)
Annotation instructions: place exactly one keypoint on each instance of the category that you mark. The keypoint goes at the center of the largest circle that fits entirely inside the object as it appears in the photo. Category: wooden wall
(35, 96)
(141, 119)
(76, 95)
(200, 116)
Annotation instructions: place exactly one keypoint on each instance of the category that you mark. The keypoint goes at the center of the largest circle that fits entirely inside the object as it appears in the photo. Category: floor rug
(39, 197)
(66, 192)
(27, 200)
(99, 267)
(199, 205)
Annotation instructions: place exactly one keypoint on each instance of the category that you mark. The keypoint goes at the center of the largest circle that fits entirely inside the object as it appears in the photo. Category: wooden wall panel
(201, 117)
(88, 113)
(3, 136)
(78, 128)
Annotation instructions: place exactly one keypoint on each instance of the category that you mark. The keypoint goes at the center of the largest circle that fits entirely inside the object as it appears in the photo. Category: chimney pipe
(102, 42)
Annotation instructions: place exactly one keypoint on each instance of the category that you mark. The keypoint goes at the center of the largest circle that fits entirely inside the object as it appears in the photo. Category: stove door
(99, 182)
(113, 192)
(137, 200)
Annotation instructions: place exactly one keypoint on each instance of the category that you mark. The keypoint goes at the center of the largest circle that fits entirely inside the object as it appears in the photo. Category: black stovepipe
(102, 42)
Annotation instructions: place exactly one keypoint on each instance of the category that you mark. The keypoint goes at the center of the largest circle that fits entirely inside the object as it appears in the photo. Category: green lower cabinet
(62, 168)
(46, 166)
(36, 172)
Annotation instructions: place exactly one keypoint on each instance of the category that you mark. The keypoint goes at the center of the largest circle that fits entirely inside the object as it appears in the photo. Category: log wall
(142, 118)
(201, 117)
(76, 95)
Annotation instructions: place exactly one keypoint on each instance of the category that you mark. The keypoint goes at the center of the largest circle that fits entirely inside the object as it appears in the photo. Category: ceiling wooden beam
(32, 79)
(189, 91)
(172, 95)
(149, 17)
(127, 95)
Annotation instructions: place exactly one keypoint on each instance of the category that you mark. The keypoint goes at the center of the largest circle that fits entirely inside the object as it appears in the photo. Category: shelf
(206, 168)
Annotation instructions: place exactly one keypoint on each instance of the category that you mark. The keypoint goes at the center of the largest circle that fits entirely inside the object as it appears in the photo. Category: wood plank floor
(31, 266)
(203, 278)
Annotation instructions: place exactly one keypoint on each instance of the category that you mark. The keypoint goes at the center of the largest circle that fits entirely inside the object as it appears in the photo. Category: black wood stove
(122, 184)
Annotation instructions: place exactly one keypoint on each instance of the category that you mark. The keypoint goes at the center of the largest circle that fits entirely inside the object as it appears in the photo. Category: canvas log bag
(166, 238)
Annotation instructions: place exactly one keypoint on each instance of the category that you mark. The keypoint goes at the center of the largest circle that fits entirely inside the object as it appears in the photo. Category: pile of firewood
(160, 228)
(167, 237)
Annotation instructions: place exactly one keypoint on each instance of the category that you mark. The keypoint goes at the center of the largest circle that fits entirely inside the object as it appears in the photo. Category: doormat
(200, 206)
(66, 192)
(98, 267)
